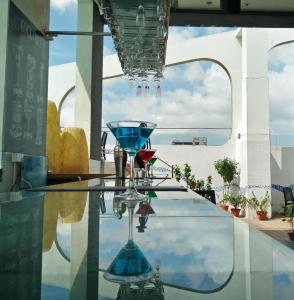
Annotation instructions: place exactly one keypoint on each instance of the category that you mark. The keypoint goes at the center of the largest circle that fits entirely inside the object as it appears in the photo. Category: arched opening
(194, 106)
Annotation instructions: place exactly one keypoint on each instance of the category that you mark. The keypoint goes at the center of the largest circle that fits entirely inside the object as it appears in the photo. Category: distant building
(195, 141)
(199, 140)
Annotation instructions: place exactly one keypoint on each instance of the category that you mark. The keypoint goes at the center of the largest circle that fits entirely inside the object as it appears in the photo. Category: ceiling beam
(231, 6)
(224, 19)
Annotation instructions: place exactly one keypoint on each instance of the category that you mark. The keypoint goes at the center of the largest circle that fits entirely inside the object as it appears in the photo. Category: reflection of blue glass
(130, 265)
(132, 139)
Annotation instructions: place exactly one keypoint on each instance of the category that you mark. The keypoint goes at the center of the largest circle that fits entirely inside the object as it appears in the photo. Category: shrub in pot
(224, 204)
(260, 206)
(227, 168)
(237, 201)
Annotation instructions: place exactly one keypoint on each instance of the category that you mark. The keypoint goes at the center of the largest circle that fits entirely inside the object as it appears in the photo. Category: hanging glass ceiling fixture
(139, 29)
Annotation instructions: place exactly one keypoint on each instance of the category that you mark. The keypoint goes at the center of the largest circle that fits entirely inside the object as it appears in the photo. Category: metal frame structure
(231, 15)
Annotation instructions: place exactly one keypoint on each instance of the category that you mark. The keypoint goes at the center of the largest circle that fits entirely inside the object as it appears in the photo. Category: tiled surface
(275, 227)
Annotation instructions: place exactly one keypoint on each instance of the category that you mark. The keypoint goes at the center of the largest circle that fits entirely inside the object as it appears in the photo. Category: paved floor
(275, 227)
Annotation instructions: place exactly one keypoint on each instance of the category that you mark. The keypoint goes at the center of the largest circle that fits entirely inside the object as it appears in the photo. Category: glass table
(59, 244)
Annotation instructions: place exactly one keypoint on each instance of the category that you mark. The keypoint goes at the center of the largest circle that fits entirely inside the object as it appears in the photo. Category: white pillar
(88, 104)
(255, 135)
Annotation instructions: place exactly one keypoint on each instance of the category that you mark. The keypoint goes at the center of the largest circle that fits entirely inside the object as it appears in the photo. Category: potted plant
(178, 173)
(289, 212)
(200, 184)
(260, 206)
(264, 204)
(187, 173)
(224, 203)
(209, 183)
(227, 168)
(237, 201)
(192, 183)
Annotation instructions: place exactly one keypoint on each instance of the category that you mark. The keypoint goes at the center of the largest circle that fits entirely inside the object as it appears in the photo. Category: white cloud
(62, 5)
(194, 73)
(282, 55)
(214, 30)
(281, 91)
(206, 103)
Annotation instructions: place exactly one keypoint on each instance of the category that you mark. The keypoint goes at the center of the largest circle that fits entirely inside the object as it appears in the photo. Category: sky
(200, 97)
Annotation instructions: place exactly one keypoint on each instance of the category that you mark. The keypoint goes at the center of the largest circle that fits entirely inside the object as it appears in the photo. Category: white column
(88, 104)
(255, 135)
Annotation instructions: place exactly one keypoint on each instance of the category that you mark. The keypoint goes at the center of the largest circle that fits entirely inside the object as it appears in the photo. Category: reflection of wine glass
(132, 136)
(130, 265)
(146, 155)
(151, 163)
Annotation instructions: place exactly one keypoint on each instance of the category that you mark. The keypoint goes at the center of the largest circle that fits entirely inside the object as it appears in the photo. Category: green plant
(200, 184)
(253, 202)
(244, 201)
(208, 183)
(178, 173)
(264, 202)
(224, 201)
(289, 212)
(227, 168)
(259, 205)
(237, 201)
(187, 172)
(192, 183)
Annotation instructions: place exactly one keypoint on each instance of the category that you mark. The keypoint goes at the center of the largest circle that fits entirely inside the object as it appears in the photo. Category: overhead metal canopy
(231, 13)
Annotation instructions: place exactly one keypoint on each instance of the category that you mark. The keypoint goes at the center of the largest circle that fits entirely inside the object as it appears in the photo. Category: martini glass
(130, 265)
(146, 155)
(132, 136)
(151, 163)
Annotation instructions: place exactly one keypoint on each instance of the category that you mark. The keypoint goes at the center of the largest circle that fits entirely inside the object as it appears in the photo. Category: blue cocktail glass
(130, 265)
(132, 136)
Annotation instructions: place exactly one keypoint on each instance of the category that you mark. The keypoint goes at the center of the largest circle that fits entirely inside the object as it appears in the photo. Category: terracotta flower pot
(235, 212)
(224, 207)
(262, 215)
(291, 235)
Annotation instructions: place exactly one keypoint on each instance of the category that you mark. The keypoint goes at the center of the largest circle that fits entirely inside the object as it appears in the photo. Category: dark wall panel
(26, 87)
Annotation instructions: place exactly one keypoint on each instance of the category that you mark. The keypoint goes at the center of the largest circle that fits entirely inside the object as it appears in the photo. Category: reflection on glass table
(200, 253)
(130, 265)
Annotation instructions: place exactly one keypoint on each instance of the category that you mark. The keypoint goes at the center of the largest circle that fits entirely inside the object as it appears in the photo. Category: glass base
(129, 266)
(132, 195)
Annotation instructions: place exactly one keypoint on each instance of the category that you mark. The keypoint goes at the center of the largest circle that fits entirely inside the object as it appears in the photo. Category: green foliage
(209, 183)
(200, 184)
(253, 202)
(265, 202)
(289, 212)
(259, 205)
(177, 172)
(227, 168)
(187, 172)
(237, 201)
(192, 183)
(224, 201)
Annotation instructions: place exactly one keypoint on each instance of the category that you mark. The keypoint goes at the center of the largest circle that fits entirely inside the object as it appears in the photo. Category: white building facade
(244, 56)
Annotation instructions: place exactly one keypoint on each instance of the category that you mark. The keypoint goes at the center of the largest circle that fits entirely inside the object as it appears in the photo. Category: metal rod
(87, 33)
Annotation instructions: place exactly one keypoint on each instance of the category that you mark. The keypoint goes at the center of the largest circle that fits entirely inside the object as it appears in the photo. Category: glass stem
(131, 212)
(131, 181)
(146, 169)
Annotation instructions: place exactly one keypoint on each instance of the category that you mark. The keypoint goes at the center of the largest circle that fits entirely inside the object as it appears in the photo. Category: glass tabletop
(58, 245)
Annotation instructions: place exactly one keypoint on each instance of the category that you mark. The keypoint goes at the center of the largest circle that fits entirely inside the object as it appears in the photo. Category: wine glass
(146, 155)
(132, 136)
(151, 162)
(130, 265)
